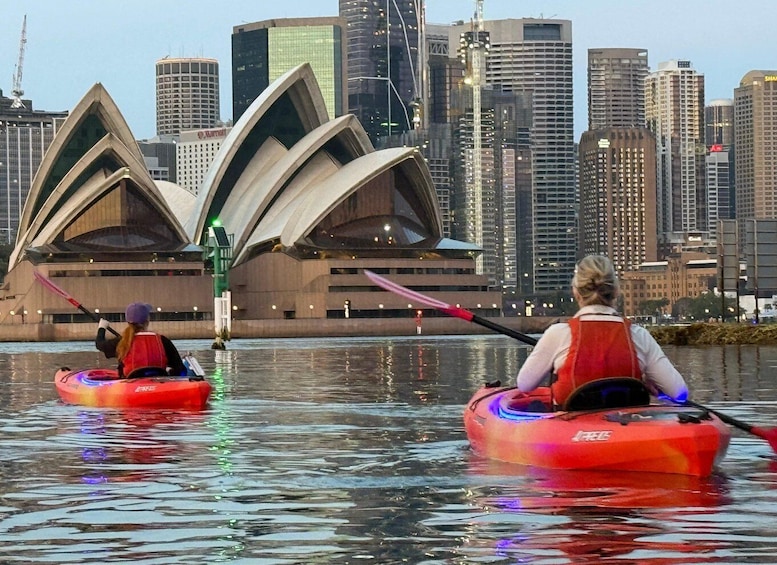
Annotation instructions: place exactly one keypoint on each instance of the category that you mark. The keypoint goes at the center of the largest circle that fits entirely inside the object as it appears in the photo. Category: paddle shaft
(727, 419)
(92, 315)
(486, 323)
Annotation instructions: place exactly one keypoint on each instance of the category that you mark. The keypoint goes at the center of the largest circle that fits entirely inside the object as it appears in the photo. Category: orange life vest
(147, 351)
(599, 349)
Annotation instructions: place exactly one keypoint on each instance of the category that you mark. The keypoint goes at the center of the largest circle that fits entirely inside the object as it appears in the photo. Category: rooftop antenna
(16, 91)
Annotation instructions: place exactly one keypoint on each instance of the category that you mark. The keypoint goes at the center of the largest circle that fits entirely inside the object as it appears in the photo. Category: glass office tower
(263, 51)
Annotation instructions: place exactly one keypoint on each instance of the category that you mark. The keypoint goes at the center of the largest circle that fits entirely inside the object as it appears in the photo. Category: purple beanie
(137, 313)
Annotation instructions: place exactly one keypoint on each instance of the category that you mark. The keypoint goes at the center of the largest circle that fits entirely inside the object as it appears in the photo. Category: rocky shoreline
(716, 334)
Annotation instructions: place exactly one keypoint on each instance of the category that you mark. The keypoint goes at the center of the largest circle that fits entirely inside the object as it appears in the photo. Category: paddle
(769, 434)
(455, 311)
(49, 284)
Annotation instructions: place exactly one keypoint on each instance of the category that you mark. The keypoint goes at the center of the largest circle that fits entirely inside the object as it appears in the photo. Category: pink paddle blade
(386, 284)
(49, 284)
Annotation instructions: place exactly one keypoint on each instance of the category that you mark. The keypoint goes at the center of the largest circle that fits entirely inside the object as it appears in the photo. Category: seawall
(243, 329)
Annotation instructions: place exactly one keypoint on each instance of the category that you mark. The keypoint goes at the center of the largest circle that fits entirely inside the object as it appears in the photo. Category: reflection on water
(353, 451)
(547, 490)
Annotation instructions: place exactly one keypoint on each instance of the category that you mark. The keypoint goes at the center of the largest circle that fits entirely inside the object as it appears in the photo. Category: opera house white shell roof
(286, 176)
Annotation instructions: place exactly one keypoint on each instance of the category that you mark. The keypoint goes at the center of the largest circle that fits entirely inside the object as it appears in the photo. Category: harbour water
(352, 450)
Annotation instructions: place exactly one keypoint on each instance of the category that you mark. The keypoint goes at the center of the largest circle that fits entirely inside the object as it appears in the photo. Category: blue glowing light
(506, 413)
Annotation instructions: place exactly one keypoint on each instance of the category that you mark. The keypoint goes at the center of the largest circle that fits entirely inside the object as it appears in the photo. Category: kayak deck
(508, 425)
(104, 388)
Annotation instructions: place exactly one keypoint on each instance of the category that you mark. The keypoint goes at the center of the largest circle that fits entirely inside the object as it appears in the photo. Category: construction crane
(16, 91)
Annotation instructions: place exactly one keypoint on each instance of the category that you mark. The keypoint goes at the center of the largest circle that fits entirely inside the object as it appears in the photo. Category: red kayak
(104, 388)
(508, 425)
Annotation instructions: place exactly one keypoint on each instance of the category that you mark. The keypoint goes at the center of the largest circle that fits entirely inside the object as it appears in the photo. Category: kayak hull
(655, 438)
(103, 388)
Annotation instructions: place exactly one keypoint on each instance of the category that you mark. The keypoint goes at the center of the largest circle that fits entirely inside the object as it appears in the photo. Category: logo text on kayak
(602, 435)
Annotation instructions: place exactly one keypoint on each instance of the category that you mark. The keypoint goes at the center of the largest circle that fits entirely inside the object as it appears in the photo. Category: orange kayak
(103, 388)
(508, 425)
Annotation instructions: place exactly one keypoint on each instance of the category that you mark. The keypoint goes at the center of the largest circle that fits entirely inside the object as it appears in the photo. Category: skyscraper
(25, 134)
(384, 72)
(187, 94)
(445, 73)
(721, 181)
(504, 183)
(719, 122)
(534, 57)
(263, 51)
(719, 187)
(194, 153)
(755, 139)
(618, 195)
(485, 207)
(674, 109)
(618, 161)
(159, 156)
(616, 88)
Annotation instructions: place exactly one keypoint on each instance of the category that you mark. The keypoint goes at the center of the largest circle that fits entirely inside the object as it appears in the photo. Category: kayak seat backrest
(612, 392)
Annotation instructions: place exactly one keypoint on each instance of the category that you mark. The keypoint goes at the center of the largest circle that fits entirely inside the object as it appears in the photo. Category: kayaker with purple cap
(140, 352)
(597, 343)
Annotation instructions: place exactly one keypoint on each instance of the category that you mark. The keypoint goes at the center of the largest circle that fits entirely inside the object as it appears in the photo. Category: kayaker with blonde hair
(597, 343)
(139, 351)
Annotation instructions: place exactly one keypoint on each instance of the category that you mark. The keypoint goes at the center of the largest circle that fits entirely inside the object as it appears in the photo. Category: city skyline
(61, 62)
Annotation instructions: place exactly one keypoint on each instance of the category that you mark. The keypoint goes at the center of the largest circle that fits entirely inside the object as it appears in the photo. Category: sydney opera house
(306, 204)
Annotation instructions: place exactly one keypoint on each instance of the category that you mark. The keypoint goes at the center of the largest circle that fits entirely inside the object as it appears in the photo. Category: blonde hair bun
(596, 281)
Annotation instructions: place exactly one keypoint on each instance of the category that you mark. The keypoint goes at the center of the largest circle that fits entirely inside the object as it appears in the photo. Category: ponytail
(126, 340)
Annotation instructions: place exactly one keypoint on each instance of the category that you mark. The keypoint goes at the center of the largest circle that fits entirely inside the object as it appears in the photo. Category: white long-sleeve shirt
(551, 351)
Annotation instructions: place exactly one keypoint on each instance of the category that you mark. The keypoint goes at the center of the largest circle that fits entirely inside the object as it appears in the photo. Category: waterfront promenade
(281, 328)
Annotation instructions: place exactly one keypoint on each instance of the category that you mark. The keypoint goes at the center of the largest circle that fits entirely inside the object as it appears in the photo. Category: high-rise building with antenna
(474, 48)
(534, 57)
(25, 134)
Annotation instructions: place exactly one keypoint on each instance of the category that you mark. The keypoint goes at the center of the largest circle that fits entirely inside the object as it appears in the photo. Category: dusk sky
(75, 43)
